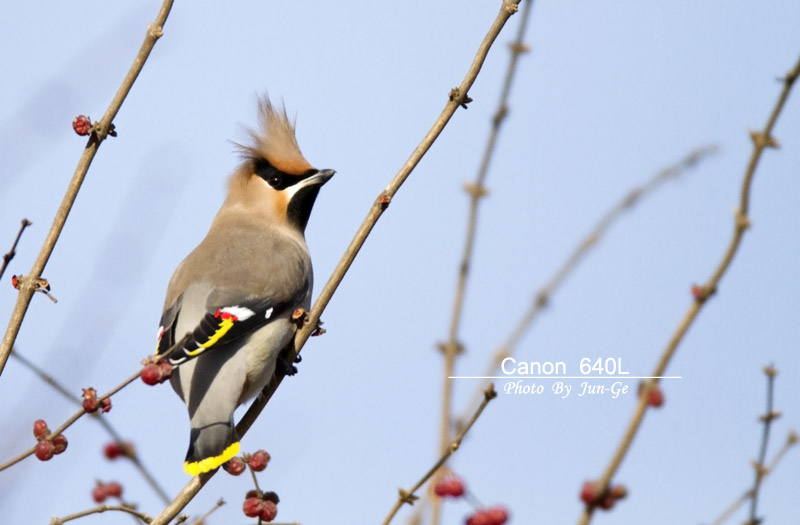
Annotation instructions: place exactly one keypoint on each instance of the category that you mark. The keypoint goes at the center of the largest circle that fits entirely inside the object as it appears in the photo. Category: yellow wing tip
(194, 468)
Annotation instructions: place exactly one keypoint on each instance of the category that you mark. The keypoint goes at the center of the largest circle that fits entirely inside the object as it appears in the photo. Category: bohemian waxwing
(236, 292)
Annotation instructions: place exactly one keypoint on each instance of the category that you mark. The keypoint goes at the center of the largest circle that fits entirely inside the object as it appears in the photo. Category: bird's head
(275, 179)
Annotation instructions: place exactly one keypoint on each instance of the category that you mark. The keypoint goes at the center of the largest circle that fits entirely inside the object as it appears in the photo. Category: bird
(237, 295)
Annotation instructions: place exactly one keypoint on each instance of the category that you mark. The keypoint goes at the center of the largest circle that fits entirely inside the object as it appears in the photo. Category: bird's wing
(222, 323)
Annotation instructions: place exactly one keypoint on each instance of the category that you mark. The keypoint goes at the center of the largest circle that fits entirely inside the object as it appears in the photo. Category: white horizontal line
(564, 377)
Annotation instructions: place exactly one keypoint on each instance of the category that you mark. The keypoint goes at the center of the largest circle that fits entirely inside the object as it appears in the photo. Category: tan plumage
(275, 140)
(237, 290)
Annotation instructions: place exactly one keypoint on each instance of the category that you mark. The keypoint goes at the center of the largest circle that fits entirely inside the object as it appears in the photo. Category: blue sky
(610, 94)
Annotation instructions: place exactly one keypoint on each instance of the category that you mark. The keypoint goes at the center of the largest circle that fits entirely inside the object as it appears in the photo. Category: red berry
(655, 398)
(698, 292)
(44, 450)
(449, 486)
(252, 494)
(99, 493)
(113, 450)
(252, 507)
(40, 430)
(498, 514)
(589, 492)
(113, 489)
(258, 460)
(440, 489)
(59, 444)
(105, 404)
(268, 511)
(480, 517)
(82, 125)
(151, 375)
(235, 466)
(455, 487)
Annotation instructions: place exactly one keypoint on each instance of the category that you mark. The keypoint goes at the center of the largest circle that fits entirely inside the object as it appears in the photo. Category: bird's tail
(210, 447)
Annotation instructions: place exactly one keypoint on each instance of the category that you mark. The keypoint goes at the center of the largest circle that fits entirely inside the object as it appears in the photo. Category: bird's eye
(274, 180)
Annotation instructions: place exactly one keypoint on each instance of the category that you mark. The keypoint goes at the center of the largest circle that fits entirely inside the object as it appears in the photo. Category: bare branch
(408, 496)
(761, 141)
(791, 440)
(100, 131)
(99, 510)
(759, 466)
(13, 251)
(202, 519)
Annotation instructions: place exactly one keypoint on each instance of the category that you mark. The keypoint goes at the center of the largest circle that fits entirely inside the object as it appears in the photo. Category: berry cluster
(257, 504)
(490, 516)
(157, 373)
(91, 404)
(449, 486)
(102, 491)
(117, 449)
(47, 448)
(591, 495)
(257, 461)
(263, 506)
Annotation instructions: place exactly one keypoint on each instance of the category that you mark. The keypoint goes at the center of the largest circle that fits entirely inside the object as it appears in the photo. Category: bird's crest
(275, 141)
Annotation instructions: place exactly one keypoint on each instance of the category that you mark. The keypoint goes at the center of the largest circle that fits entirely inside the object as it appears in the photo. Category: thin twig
(761, 140)
(100, 130)
(543, 297)
(791, 440)
(61, 389)
(13, 251)
(99, 510)
(201, 519)
(408, 496)
(457, 98)
(759, 467)
(476, 190)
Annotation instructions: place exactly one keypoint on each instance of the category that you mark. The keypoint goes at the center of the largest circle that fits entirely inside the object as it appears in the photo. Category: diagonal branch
(101, 130)
(761, 140)
(791, 440)
(458, 97)
(407, 496)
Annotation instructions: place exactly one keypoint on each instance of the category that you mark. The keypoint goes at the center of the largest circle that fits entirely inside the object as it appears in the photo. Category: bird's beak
(319, 178)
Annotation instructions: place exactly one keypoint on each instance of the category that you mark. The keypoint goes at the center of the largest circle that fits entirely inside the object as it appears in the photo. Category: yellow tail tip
(193, 468)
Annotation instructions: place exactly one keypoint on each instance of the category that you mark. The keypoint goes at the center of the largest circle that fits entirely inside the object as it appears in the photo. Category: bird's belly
(263, 348)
